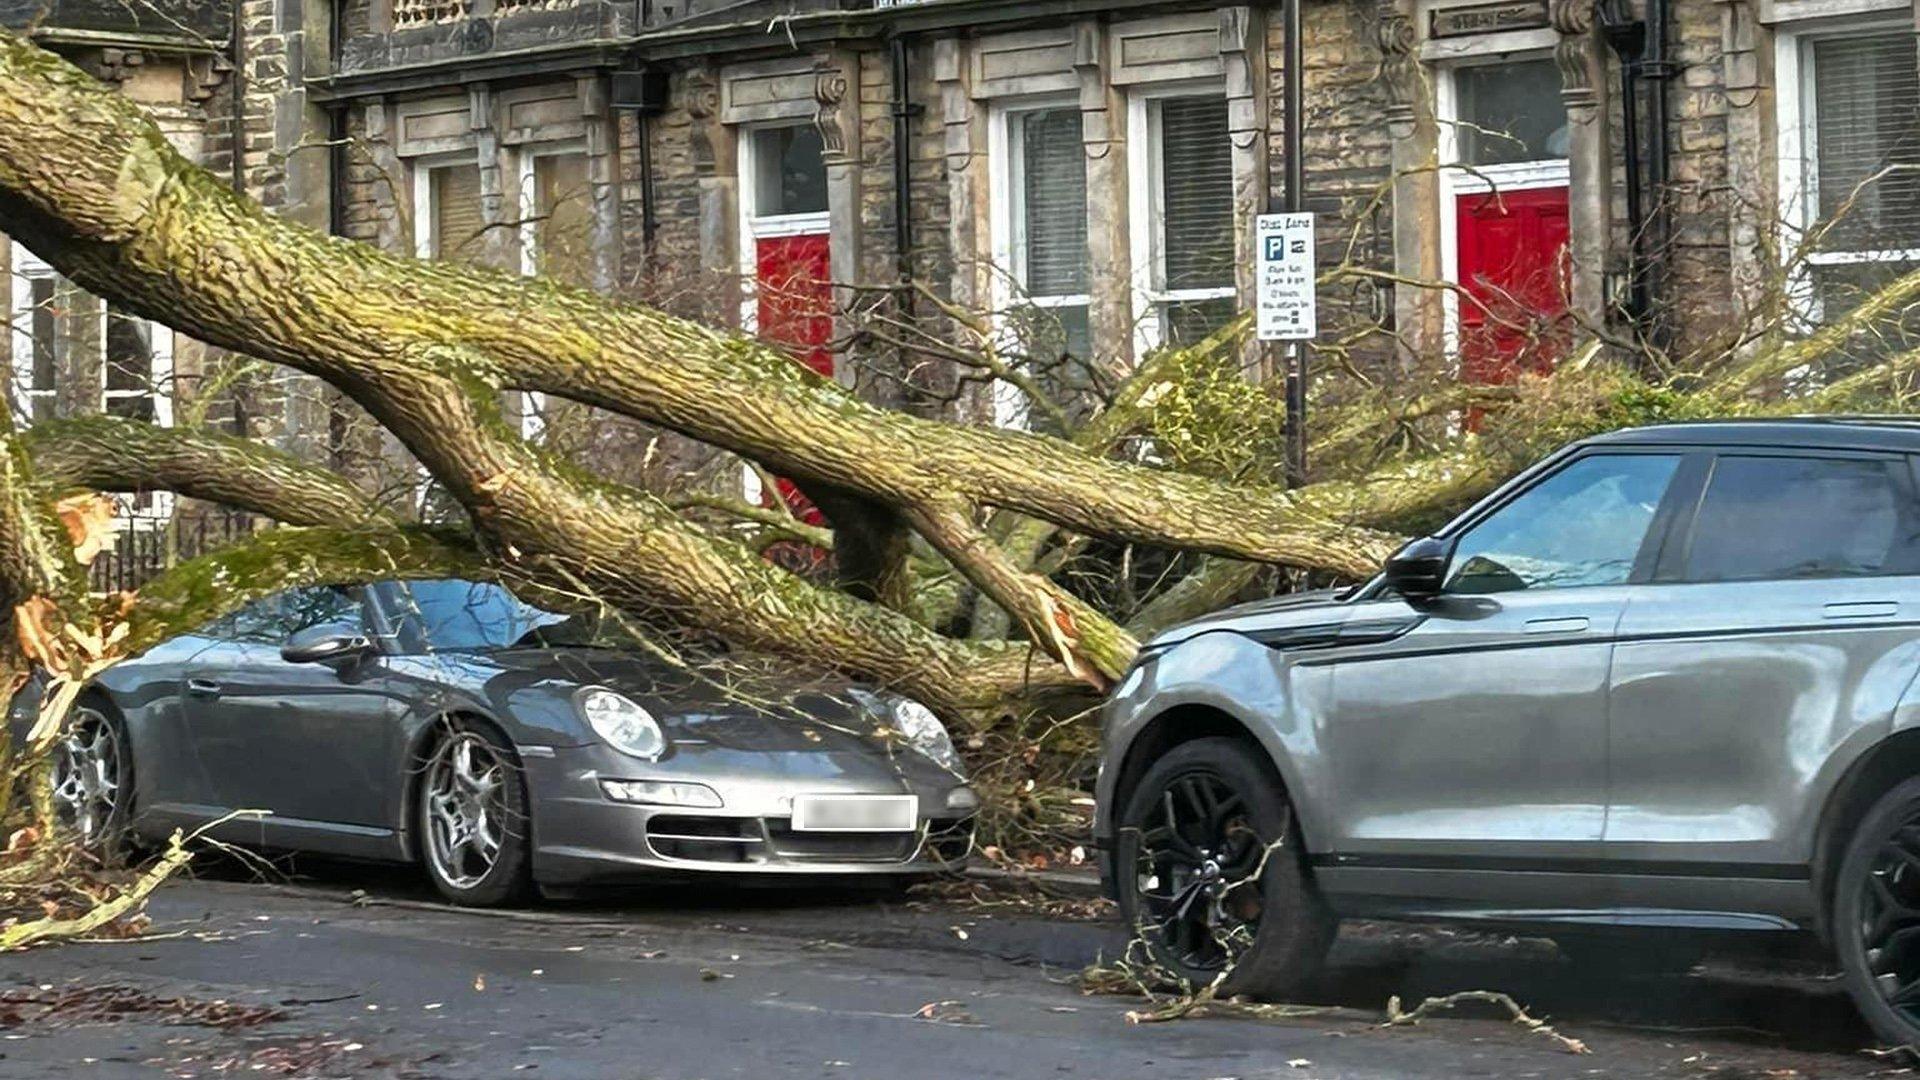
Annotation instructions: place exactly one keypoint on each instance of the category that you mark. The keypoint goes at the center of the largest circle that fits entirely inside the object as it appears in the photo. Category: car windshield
(473, 616)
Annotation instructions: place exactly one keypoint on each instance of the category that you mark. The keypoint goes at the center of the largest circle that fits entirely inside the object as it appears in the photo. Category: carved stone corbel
(206, 73)
(1582, 62)
(1242, 59)
(830, 112)
(1096, 116)
(1575, 52)
(701, 92)
(1399, 72)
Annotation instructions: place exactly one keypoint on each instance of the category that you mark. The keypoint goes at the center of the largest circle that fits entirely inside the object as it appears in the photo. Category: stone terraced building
(780, 164)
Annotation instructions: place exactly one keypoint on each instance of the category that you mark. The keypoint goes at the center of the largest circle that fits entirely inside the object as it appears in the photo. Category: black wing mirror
(1418, 570)
(325, 644)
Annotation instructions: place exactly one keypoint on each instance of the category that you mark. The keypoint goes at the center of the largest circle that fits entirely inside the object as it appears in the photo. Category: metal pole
(1294, 196)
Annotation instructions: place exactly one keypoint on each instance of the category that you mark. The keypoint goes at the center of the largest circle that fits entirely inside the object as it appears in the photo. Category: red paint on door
(793, 303)
(1513, 270)
(794, 296)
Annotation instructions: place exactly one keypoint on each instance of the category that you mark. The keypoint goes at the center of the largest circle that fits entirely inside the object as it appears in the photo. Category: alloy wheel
(466, 809)
(86, 775)
(1197, 872)
(1889, 921)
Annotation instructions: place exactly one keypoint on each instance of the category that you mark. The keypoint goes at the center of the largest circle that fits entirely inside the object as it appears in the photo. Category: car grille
(950, 841)
(840, 846)
(705, 839)
(724, 840)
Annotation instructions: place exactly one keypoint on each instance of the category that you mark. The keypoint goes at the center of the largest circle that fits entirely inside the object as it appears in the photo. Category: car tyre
(472, 810)
(1200, 880)
(1876, 915)
(92, 780)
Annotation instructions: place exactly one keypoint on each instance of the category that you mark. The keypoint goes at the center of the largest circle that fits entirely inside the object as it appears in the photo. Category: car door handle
(203, 687)
(1861, 609)
(1569, 624)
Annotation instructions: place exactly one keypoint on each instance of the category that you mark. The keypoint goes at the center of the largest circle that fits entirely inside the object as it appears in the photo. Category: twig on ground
(1397, 1016)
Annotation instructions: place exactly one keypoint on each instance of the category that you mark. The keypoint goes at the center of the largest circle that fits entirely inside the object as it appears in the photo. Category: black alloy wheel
(1210, 873)
(1876, 915)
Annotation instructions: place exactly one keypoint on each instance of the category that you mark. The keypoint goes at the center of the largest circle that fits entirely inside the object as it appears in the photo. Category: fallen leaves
(946, 1012)
(88, 518)
(108, 1004)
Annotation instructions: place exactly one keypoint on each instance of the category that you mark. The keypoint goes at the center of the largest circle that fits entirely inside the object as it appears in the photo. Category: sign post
(1285, 310)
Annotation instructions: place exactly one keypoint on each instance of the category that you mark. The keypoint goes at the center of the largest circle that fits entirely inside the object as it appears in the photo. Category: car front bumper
(583, 836)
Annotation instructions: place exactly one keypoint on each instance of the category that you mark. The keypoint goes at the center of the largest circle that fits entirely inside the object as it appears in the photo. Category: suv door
(308, 742)
(1480, 735)
(1779, 627)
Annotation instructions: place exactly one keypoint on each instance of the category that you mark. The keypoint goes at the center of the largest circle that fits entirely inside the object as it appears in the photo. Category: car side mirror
(1419, 569)
(326, 643)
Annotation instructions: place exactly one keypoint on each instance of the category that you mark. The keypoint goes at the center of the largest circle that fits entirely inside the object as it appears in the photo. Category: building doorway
(785, 240)
(786, 260)
(1506, 209)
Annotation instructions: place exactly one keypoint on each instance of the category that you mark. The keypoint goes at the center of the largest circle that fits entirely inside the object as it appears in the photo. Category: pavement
(347, 971)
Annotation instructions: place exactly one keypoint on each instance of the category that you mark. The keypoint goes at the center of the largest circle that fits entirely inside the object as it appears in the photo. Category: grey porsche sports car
(504, 746)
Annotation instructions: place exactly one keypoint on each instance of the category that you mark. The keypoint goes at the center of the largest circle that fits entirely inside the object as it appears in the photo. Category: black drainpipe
(237, 131)
(337, 162)
(1660, 217)
(1626, 36)
(1641, 45)
(649, 214)
(903, 113)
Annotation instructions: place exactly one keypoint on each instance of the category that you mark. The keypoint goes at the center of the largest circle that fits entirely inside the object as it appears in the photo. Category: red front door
(1513, 271)
(794, 296)
(793, 308)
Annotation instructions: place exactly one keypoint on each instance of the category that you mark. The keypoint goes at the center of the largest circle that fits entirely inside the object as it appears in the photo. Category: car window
(249, 622)
(1581, 526)
(322, 605)
(1800, 517)
(465, 615)
(272, 619)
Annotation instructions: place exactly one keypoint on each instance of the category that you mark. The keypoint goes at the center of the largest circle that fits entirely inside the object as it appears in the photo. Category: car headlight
(922, 730)
(621, 721)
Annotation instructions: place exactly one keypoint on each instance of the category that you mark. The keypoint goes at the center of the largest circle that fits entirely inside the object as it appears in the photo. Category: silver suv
(1663, 680)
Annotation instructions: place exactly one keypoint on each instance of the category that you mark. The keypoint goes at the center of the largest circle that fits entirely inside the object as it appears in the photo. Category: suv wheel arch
(1878, 770)
(1184, 724)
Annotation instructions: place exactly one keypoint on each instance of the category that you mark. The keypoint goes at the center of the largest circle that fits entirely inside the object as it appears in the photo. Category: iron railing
(144, 547)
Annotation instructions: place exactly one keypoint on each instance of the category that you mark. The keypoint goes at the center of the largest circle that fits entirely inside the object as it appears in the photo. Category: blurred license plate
(855, 813)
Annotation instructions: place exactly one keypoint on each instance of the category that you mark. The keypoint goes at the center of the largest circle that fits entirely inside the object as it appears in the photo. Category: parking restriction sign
(1284, 291)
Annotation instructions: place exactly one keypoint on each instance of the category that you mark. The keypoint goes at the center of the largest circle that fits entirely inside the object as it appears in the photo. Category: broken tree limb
(87, 182)
(109, 453)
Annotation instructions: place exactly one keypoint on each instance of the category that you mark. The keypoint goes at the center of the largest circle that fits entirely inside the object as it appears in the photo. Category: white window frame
(1145, 215)
(755, 226)
(27, 268)
(148, 510)
(151, 509)
(1456, 178)
(533, 404)
(159, 375)
(1006, 219)
(423, 168)
(1798, 153)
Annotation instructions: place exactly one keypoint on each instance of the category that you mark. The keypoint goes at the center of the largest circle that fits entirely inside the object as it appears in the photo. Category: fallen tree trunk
(91, 185)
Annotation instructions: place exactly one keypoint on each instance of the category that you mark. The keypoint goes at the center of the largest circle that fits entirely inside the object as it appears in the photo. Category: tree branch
(108, 453)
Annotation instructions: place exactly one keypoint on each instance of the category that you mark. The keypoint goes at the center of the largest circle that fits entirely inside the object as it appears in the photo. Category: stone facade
(685, 149)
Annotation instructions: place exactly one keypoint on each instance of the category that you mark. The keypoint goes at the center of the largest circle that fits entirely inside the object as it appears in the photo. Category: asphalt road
(248, 979)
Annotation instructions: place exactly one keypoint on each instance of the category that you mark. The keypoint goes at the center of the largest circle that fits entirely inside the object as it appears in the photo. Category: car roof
(1900, 433)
